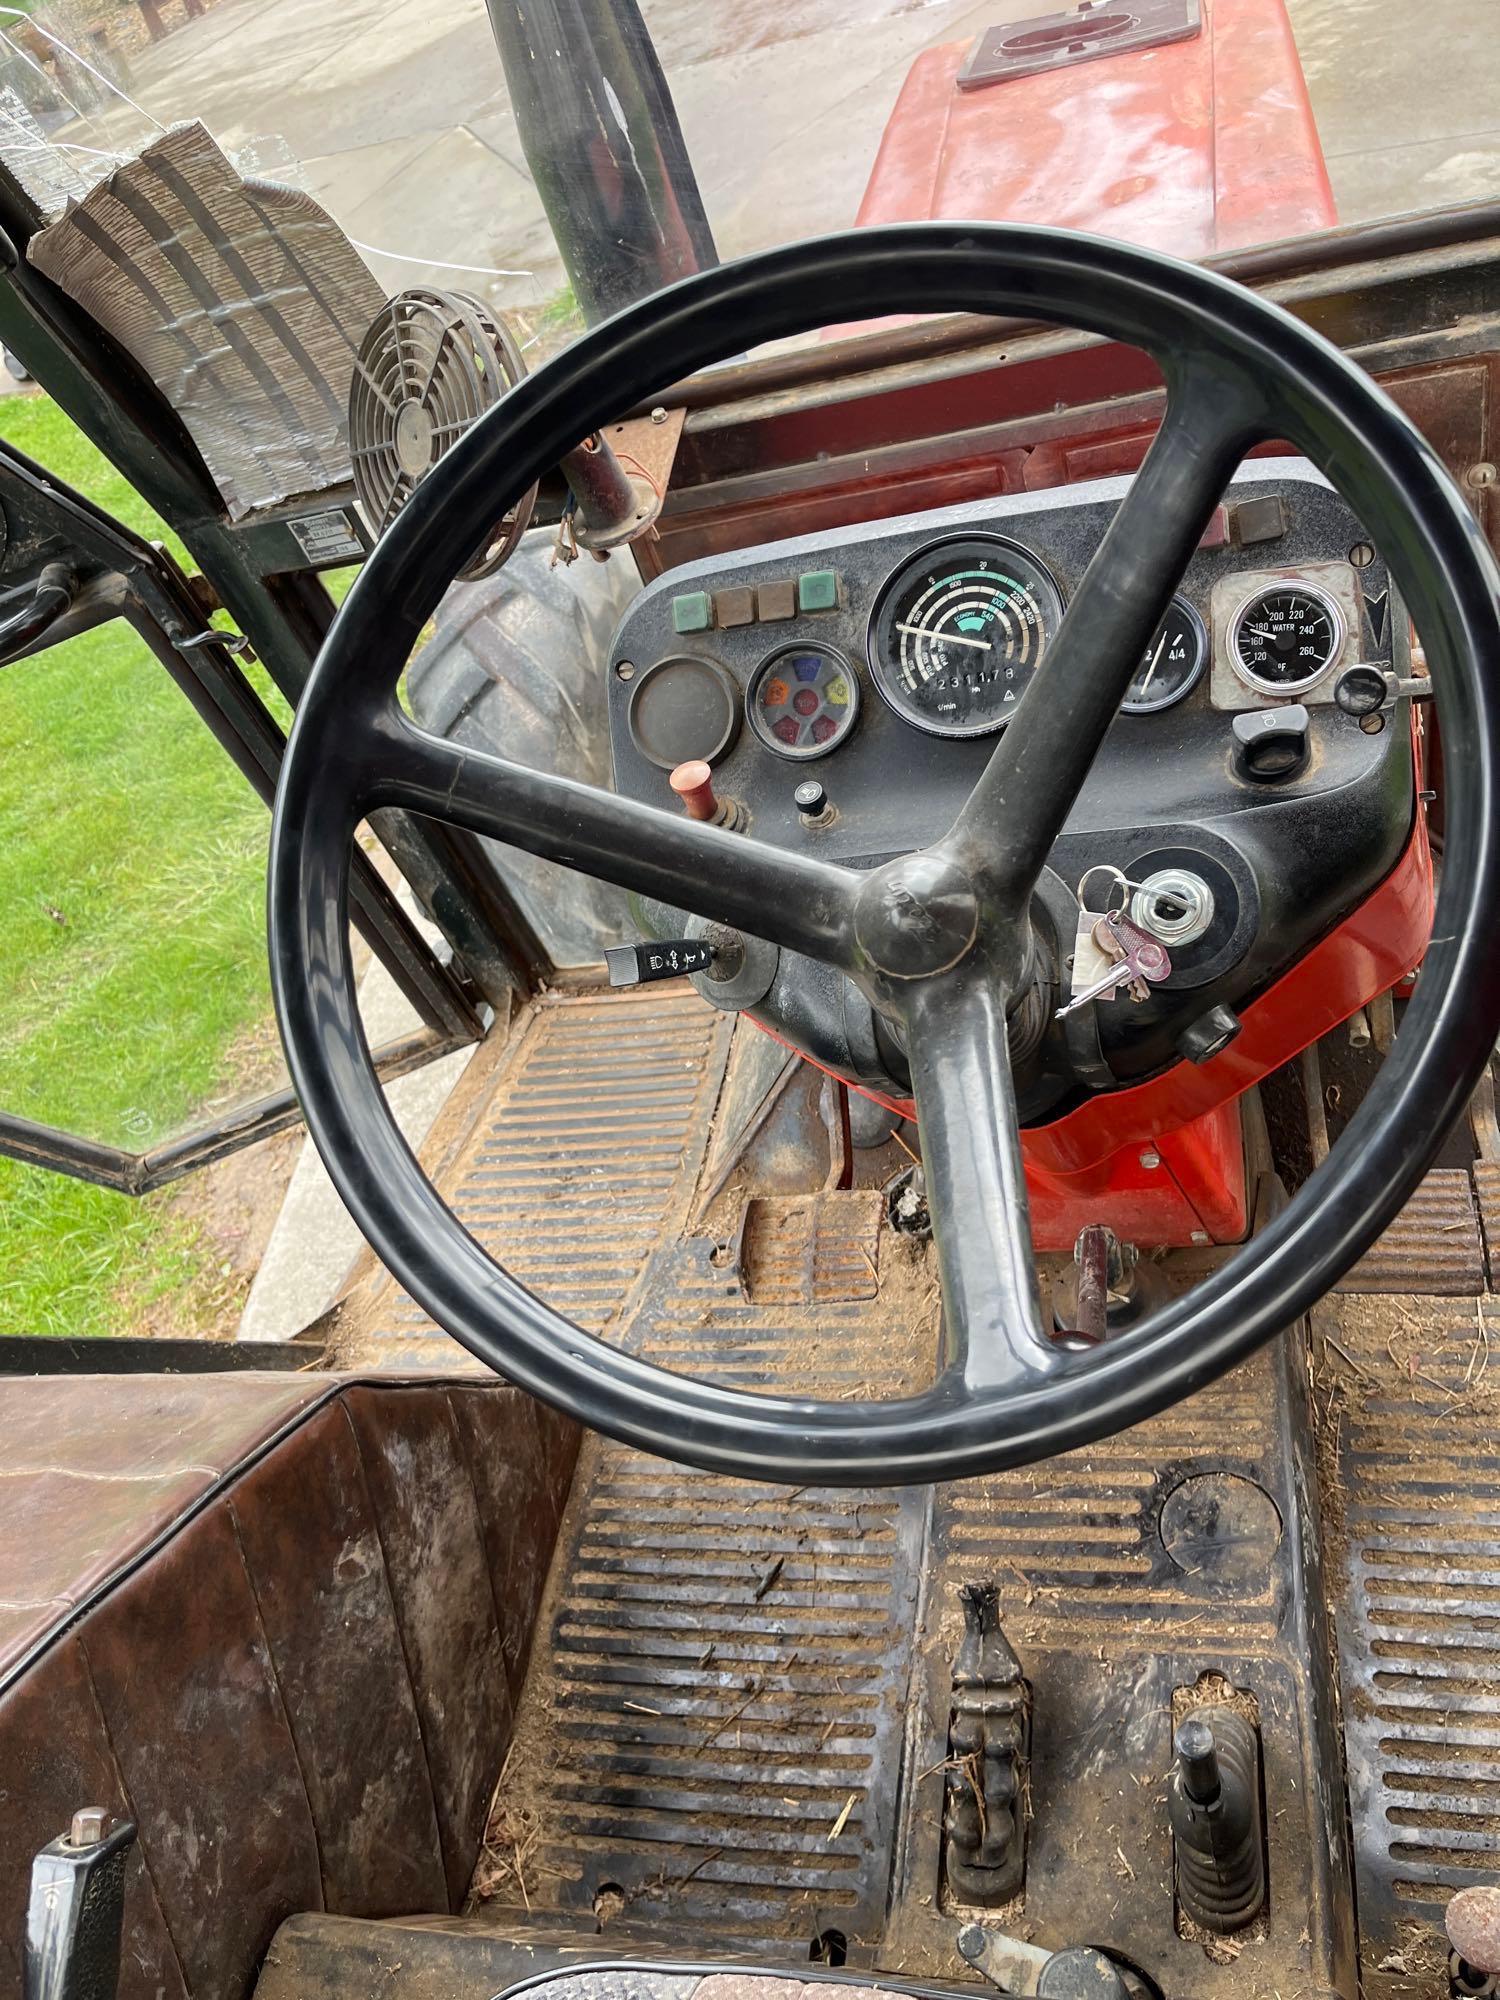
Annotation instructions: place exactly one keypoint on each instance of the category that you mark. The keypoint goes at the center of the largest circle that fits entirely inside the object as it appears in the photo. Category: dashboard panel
(847, 689)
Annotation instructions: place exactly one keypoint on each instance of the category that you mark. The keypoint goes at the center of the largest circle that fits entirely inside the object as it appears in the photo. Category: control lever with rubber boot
(1213, 1801)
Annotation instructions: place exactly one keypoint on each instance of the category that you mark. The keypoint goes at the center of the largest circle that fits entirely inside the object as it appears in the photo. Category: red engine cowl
(1190, 147)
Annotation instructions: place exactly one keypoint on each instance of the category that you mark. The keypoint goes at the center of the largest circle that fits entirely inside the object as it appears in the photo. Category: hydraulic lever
(76, 1915)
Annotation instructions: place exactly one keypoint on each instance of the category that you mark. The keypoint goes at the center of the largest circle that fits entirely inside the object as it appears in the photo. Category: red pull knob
(693, 784)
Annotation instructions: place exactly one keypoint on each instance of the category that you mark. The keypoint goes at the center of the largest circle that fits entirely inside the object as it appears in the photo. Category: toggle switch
(1365, 689)
(666, 958)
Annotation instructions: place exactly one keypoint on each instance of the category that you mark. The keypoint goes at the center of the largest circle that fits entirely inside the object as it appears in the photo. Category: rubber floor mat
(1433, 1246)
(710, 1737)
(1411, 1388)
(582, 1161)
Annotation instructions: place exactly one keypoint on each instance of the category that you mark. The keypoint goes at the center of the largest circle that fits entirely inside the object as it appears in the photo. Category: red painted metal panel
(1196, 146)
(1186, 1187)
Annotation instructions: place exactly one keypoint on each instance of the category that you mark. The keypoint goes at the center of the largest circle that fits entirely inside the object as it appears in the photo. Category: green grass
(132, 940)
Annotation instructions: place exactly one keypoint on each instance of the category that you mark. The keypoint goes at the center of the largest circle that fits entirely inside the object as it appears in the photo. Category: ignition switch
(1175, 905)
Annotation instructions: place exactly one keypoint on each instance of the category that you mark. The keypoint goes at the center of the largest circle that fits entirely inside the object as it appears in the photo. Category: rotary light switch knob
(693, 784)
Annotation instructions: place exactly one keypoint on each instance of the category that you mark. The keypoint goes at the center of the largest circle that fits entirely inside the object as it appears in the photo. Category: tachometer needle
(944, 638)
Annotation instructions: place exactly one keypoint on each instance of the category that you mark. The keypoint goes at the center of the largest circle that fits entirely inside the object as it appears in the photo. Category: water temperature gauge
(1286, 637)
(1171, 664)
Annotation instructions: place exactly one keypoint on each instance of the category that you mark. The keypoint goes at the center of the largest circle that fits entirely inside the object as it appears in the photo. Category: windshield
(610, 148)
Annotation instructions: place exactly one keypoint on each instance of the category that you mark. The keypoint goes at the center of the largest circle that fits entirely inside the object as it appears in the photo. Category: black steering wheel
(939, 940)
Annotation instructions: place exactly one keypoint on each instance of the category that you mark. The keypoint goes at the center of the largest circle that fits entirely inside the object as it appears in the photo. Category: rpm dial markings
(958, 632)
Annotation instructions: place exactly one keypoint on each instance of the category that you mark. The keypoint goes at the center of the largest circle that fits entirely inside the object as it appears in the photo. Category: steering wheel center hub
(916, 916)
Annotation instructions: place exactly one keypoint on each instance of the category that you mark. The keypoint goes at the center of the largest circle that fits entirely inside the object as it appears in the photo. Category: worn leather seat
(277, 1620)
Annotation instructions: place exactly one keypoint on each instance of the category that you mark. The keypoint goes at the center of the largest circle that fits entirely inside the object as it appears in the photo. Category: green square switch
(693, 611)
(818, 590)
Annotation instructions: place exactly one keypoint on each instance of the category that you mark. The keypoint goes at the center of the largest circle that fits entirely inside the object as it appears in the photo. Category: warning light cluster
(803, 702)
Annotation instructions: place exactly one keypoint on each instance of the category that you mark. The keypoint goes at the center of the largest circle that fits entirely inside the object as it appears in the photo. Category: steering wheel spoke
(1025, 793)
(791, 900)
(976, 1189)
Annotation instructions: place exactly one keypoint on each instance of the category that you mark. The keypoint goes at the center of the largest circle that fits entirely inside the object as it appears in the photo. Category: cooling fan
(430, 366)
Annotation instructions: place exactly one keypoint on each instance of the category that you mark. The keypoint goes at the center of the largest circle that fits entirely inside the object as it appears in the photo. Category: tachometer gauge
(1171, 664)
(957, 633)
(1284, 638)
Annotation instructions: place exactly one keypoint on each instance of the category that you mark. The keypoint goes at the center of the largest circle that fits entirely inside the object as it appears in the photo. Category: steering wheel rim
(1237, 368)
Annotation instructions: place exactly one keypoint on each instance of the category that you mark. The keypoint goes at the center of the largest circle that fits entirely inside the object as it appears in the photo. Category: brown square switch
(735, 607)
(776, 600)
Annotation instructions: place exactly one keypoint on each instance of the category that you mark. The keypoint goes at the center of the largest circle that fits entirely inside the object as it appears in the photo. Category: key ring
(1120, 880)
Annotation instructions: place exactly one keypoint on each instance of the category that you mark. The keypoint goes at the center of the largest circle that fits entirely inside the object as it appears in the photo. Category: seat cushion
(97, 1467)
(277, 1621)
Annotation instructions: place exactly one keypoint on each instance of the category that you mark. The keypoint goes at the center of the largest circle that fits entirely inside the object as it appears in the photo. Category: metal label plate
(1013, 49)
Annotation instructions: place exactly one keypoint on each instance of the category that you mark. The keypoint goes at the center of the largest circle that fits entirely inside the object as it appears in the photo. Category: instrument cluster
(892, 654)
(839, 695)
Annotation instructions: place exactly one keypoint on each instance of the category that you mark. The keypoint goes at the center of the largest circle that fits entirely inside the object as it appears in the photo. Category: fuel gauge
(1172, 662)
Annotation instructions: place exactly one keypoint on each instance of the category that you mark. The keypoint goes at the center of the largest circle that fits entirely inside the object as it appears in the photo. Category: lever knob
(76, 1914)
(694, 785)
(1213, 1802)
(1473, 1922)
(667, 958)
(1081, 1973)
(1198, 1762)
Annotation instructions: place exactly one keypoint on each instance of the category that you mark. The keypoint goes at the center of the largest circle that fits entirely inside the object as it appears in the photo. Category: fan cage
(428, 368)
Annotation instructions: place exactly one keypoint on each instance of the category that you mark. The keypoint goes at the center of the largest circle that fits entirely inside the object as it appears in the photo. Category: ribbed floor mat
(1487, 1200)
(1413, 1394)
(710, 1736)
(1433, 1246)
(713, 1736)
(584, 1158)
